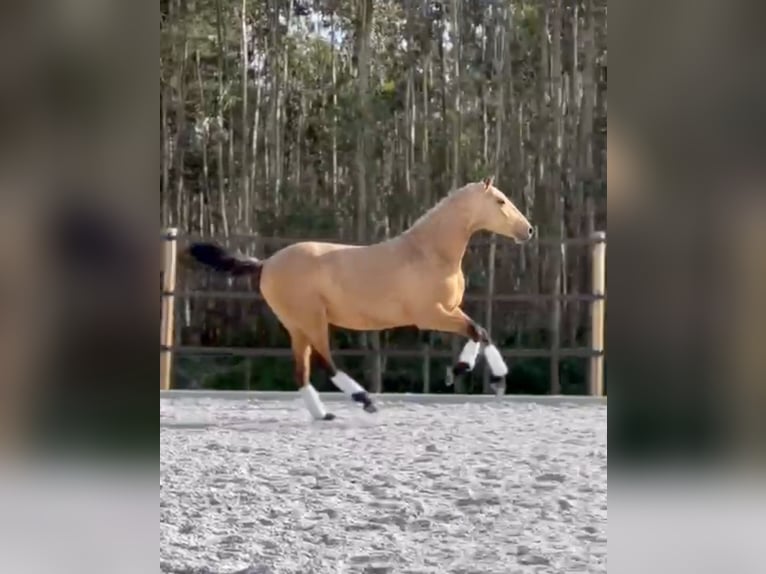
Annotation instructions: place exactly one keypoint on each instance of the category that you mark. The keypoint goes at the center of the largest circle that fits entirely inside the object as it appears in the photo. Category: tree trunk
(165, 212)
(180, 148)
(254, 153)
(364, 28)
(334, 112)
(244, 171)
(456, 114)
(555, 193)
(231, 161)
(203, 120)
(275, 109)
(281, 115)
(425, 156)
(220, 129)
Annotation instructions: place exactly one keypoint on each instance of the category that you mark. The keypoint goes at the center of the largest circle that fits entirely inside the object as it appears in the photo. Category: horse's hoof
(364, 398)
(328, 417)
(370, 408)
(497, 384)
(460, 369)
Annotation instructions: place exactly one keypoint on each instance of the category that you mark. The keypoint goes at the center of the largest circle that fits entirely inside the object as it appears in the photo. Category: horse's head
(496, 213)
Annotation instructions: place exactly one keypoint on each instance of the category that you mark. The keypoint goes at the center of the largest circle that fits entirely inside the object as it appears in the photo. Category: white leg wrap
(313, 402)
(469, 353)
(346, 384)
(495, 361)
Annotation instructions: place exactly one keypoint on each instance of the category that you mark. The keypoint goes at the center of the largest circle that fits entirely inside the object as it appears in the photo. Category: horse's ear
(488, 182)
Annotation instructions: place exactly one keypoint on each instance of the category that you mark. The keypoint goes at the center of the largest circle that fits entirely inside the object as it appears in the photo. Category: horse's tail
(223, 261)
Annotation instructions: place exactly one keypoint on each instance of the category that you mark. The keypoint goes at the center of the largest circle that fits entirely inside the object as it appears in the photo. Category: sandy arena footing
(249, 484)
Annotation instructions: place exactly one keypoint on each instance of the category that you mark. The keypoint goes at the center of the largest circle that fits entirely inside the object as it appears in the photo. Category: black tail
(218, 259)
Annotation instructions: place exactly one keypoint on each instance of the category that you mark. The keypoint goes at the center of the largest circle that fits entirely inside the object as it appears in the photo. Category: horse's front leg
(456, 321)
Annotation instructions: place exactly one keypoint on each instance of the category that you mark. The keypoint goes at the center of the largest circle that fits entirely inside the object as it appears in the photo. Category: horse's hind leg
(302, 360)
(320, 341)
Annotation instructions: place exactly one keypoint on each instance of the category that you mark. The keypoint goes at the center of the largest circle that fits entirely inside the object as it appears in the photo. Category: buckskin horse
(413, 279)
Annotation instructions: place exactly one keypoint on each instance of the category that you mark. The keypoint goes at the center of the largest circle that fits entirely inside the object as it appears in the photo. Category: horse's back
(334, 275)
(296, 271)
(309, 249)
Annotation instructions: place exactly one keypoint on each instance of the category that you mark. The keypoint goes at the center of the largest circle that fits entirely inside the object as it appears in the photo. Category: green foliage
(272, 374)
(529, 376)
(573, 373)
(301, 218)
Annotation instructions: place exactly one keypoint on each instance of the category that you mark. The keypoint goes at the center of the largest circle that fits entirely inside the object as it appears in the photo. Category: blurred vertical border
(78, 423)
(687, 273)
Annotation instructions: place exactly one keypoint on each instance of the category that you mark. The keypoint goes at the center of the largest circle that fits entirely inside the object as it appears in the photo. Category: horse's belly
(366, 315)
(359, 323)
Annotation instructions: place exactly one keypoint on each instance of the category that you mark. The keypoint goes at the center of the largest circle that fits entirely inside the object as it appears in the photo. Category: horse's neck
(444, 234)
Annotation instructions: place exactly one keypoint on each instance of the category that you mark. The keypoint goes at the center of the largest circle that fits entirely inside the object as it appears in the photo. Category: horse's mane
(437, 206)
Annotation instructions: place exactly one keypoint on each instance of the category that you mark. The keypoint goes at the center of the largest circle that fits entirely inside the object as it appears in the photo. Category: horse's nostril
(531, 231)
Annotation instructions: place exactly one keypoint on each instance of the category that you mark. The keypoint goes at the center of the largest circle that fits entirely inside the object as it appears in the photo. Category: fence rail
(509, 298)
(597, 300)
(582, 352)
(598, 237)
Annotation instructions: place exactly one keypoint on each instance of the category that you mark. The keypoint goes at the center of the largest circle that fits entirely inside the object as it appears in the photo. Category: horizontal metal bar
(270, 240)
(509, 298)
(581, 352)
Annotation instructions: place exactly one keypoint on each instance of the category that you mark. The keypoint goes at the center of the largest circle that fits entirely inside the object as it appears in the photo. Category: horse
(412, 279)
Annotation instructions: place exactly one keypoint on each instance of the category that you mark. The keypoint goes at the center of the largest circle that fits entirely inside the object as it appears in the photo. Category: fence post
(485, 388)
(377, 363)
(167, 319)
(426, 372)
(554, 385)
(458, 382)
(598, 306)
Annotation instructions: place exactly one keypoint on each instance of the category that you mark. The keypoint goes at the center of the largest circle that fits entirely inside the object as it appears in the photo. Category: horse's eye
(501, 202)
